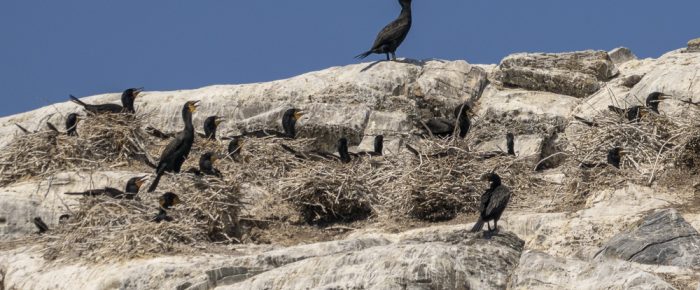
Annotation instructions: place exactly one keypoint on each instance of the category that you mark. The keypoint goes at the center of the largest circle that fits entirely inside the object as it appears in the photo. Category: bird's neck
(405, 11)
(343, 152)
(378, 147)
(495, 182)
(289, 127)
(187, 117)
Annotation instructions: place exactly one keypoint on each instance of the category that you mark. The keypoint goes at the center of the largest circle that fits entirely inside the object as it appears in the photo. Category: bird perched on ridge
(176, 152)
(493, 202)
(128, 98)
(442, 127)
(289, 121)
(210, 125)
(635, 113)
(392, 35)
(133, 185)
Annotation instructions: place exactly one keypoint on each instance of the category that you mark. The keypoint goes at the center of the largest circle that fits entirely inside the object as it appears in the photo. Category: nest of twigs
(654, 146)
(102, 140)
(104, 228)
(328, 192)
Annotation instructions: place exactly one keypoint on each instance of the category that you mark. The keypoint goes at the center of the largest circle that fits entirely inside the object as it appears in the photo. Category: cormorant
(132, 188)
(635, 113)
(510, 143)
(493, 202)
(210, 125)
(614, 158)
(128, 97)
(168, 200)
(72, 124)
(343, 150)
(175, 154)
(206, 165)
(378, 148)
(235, 147)
(289, 121)
(40, 225)
(442, 127)
(392, 35)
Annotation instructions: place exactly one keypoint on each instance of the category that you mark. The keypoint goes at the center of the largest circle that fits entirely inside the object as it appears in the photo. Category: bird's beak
(214, 158)
(137, 91)
(298, 115)
(219, 121)
(141, 181)
(193, 106)
(664, 97)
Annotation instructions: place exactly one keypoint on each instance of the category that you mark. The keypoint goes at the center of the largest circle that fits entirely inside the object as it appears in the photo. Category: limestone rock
(538, 270)
(694, 45)
(524, 145)
(621, 55)
(575, 74)
(662, 238)
(526, 105)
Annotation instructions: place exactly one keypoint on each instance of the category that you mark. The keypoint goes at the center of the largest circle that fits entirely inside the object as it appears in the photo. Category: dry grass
(103, 140)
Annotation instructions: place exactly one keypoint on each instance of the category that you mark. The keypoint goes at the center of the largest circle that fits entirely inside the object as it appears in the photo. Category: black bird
(392, 35)
(235, 147)
(210, 125)
(52, 127)
(162, 216)
(614, 158)
(289, 121)
(510, 143)
(175, 154)
(442, 127)
(128, 97)
(24, 130)
(343, 150)
(493, 202)
(40, 225)
(132, 188)
(206, 165)
(72, 124)
(168, 200)
(378, 148)
(635, 113)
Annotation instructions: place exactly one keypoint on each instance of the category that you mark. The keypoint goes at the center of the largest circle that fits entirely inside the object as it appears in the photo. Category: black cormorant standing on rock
(391, 37)
(210, 125)
(128, 98)
(289, 121)
(175, 154)
(635, 113)
(493, 203)
(41, 225)
(442, 127)
(132, 188)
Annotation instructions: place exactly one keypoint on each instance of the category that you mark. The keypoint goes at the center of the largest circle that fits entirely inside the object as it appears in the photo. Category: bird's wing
(440, 126)
(485, 199)
(108, 108)
(394, 31)
(499, 199)
(172, 147)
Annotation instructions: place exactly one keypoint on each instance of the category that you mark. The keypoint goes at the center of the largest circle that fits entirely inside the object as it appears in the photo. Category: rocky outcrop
(662, 238)
(621, 55)
(541, 271)
(577, 74)
(694, 45)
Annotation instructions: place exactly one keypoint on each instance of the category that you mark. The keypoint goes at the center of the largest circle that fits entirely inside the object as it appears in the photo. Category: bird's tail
(22, 128)
(154, 185)
(478, 226)
(364, 54)
(74, 193)
(77, 101)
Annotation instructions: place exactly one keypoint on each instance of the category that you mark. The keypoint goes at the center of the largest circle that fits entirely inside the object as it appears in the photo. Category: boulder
(621, 55)
(662, 238)
(526, 105)
(694, 45)
(575, 74)
(538, 270)
(524, 145)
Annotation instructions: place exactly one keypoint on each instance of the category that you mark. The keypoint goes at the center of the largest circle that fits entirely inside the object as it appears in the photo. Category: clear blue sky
(50, 49)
